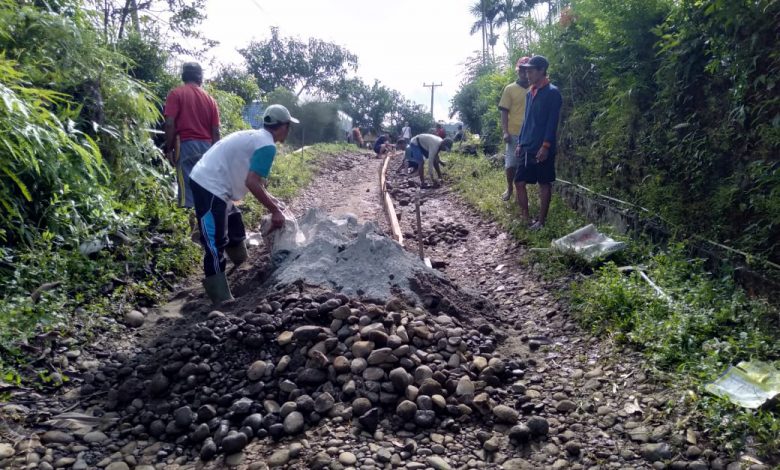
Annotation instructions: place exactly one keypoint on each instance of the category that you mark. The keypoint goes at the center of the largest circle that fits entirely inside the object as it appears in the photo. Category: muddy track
(602, 407)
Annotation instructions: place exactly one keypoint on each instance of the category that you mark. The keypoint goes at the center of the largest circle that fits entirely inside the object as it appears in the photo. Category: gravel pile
(294, 361)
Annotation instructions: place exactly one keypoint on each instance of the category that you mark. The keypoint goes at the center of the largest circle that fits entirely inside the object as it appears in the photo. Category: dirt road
(519, 385)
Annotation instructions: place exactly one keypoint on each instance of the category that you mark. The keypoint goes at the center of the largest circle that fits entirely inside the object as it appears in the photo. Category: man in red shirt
(440, 131)
(191, 115)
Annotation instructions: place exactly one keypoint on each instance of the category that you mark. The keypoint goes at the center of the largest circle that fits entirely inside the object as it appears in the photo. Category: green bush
(705, 325)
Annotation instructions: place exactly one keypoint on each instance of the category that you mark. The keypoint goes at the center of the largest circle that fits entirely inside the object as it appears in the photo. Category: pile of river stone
(448, 233)
(212, 386)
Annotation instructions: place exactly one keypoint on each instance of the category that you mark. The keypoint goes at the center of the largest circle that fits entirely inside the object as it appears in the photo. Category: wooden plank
(387, 201)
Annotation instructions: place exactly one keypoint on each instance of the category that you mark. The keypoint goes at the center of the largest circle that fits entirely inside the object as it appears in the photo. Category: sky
(402, 43)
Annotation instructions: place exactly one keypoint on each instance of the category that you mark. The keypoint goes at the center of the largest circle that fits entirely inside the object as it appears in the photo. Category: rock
(360, 406)
(341, 365)
(374, 374)
(362, 349)
(200, 433)
(505, 414)
(117, 466)
(518, 464)
(57, 437)
(234, 442)
(279, 458)
(538, 426)
(158, 385)
(134, 318)
(430, 387)
(306, 333)
(425, 418)
(400, 379)
(311, 376)
(293, 423)
(347, 458)
(381, 356)
(492, 444)
(320, 460)
(95, 437)
(370, 420)
(566, 406)
(421, 374)
(438, 463)
(206, 413)
(324, 403)
(183, 417)
(6, 450)
(479, 363)
(257, 370)
(284, 338)
(465, 388)
(655, 452)
(406, 410)
(572, 448)
(520, 433)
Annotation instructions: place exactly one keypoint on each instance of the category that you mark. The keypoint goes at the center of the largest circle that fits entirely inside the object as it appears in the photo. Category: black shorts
(530, 171)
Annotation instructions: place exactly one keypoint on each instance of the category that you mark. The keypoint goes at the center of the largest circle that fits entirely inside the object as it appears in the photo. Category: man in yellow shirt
(512, 107)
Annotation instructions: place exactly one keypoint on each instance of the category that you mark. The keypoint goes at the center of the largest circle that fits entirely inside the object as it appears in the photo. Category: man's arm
(550, 126)
(257, 186)
(170, 138)
(215, 136)
(505, 123)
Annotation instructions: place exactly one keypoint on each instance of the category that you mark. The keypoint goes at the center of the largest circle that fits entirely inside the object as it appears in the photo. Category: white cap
(277, 114)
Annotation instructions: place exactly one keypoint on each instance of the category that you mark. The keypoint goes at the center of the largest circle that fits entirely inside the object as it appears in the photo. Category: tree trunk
(123, 19)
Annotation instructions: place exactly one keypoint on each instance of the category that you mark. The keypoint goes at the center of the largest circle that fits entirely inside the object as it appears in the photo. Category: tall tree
(181, 18)
(315, 66)
(486, 12)
(509, 12)
(238, 81)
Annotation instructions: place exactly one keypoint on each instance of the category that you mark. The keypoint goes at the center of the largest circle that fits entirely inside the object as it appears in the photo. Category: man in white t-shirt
(426, 147)
(238, 164)
(406, 132)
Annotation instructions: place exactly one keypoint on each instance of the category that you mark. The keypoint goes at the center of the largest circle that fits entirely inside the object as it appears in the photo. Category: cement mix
(343, 255)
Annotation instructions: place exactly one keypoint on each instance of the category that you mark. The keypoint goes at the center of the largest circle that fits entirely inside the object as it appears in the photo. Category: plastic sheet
(748, 384)
(587, 243)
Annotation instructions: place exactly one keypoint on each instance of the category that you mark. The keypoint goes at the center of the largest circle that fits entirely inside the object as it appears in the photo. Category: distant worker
(406, 132)
(426, 147)
(238, 164)
(382, 145)
(459, 135)
(192, 116)
(536, 149)
(440, 131)
(357, 137)
(512, 107)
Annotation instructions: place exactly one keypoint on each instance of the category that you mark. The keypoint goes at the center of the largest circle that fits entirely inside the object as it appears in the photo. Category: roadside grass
(708, 323)
(52, 295)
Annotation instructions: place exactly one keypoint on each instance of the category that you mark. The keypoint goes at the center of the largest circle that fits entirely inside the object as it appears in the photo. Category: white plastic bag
(587, 243)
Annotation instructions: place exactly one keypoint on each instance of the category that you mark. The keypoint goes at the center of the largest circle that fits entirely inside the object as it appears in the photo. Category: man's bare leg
(545, 195)
(522, 200)
(510, 178)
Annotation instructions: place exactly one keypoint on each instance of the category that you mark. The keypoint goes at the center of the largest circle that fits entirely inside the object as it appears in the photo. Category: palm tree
(486, 12)
(479, 25)
(509, 11)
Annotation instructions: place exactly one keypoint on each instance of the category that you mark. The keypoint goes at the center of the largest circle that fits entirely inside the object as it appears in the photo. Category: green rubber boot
(237, 253)
(217, 288)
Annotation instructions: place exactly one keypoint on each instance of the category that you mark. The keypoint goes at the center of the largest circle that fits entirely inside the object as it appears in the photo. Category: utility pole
(432, 86)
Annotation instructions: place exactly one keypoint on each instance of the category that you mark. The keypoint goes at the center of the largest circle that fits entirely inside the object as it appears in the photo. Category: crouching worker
(426, 147)
(237, 164)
